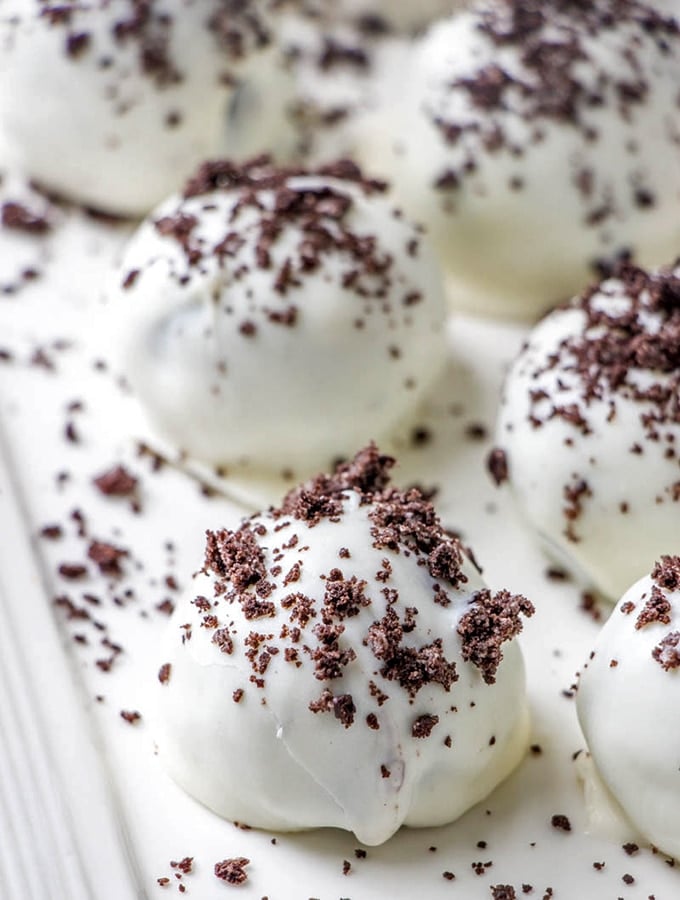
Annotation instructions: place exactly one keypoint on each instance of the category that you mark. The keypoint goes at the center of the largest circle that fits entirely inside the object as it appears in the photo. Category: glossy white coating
(269, 761)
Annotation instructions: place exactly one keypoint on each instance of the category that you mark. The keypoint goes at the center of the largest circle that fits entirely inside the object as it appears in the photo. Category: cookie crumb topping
(311, 627)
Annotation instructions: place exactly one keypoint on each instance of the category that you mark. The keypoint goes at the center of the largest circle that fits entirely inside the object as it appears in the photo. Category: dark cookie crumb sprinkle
(667, 652)
(497, 465)
(232, 871)
(548, 87)
(503, 892)
(491, 620)
(423, 726)
(618, 343)
(561, 822)
(19, 218)
(116, 482)
(656, 609)
(308, 629)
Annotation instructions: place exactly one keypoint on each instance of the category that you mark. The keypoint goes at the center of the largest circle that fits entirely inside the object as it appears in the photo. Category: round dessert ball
(279, 318)
(115, 104)
(536, 140)
(627, 700)
(589, 427)
(338, 662)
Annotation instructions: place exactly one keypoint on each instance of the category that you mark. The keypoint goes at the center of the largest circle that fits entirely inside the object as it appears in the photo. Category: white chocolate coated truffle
(534, 140)
(115, 104)
(590, 428)
(340, 663)
(278, 320)
(627, 698)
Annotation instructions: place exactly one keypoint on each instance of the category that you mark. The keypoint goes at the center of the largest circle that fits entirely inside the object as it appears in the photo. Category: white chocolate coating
(300, 98)
(590, 476)
(260, 114)
(267, 759)
(239, 363)
(403, 15)
(626, 705)
(339, 76)
(115, 119)
(531, 156)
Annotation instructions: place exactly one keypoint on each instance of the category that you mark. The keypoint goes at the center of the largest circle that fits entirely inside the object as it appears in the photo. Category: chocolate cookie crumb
(232, 871)
(185, 865)
(656, 609)
(116, 482)
(20, 218)
(503, 892)
(561, 822)
(491, 620)
(106, 556)
(497, 465)
(666, 652)
(666, 573)
(72, 570)
(423, 726)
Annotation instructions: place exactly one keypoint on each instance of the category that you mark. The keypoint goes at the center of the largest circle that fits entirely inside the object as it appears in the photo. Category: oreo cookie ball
(277, 318)
(340, 663)
(534, 140)
(589, 428)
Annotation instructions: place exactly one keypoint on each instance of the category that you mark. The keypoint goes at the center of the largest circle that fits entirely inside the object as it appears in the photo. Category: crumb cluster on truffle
(658, 610)
(553, 43)
(285, 222)
(235, 24)
(247, 567)
(627, 351)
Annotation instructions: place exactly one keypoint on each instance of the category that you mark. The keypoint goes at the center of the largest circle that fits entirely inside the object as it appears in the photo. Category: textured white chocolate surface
(590, 428)
(340, 664)
(534, 143)
(626, 697)
(281, 326)
(112, 105)
(404, 15)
